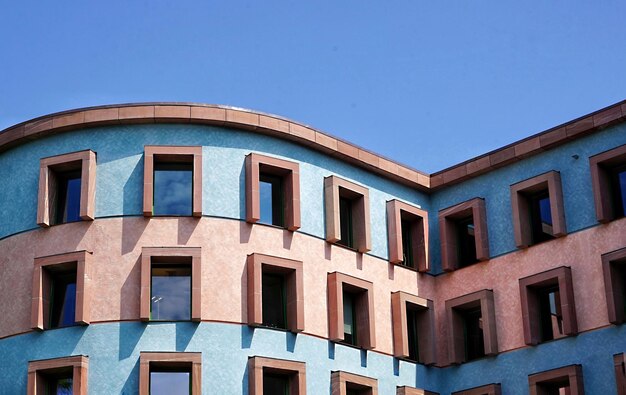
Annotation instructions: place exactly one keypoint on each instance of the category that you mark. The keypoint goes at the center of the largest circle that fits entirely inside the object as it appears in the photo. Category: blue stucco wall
(113, 350)
(494, 187)
(119, 177)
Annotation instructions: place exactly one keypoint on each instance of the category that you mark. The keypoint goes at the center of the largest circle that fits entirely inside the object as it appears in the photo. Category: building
(225, 251)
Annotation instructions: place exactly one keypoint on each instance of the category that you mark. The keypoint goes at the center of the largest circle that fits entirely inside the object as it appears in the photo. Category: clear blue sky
(429, 84)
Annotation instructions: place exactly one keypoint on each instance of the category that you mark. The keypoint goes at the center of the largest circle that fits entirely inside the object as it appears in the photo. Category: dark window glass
(473, 331)
(59, 385)
(407, 245)
(466, 241)
(541, 217)
(274, 301)
(411, 321)
(63, 297)
(618, 186)
(275, 384)
(271, 196)
(349, 318)
(345, 222)
(560, 387)
(170, 382)
(550, 313)
(67, 205)
(173, 185)
(354, 391)
(170, 298)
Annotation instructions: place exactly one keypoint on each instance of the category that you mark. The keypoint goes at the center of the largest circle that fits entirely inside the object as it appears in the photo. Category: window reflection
(170, 298)
(271, 197)
(170, 383)
(173, 188)
(63, 297)
(67, 205)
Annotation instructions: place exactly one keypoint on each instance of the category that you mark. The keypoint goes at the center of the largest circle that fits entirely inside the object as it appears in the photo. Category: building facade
(155, 246)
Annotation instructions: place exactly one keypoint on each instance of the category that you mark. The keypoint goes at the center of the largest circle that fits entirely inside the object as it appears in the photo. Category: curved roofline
(273, 125)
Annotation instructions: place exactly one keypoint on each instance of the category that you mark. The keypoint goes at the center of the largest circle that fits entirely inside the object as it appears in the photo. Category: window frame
(40, 308)
(406, 390)
(294, 370)
(337, 282)
(83, 160)
(448, 218)
(614, 270)
(573, 373)
(419, 234)
(454, 311)
(189, 255)
(289, 172)
(600, 166)
(334, 188)
(489, 389)
(339, 380)
(561, 276)
(619, 362)
(191, 360)
(167, 153)
(79, 364)
(425, 324)
(522, 224)
(292, 271)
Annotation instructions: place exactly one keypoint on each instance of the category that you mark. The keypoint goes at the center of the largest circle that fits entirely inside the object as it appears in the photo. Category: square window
(614, 270)
(67, 375)
(490, 389)
(619, 362)
(608, 178)
(172, 181)
(351, 310)
(565, 380)
(472, 326)
(548, 309)
(463, 234)
(343, 383)
(538, 213)
(407, 229)
(272, 191)
(413, 328)
(170, 284)
(347, 214)
(162, 373)
(67, 188)
(61, 290)
(275, 296)
(276, 376)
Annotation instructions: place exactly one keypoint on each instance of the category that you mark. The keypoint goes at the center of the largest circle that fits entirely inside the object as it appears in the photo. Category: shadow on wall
(184, 333)
(129, 335)
(132, 382)
(133, 191)
(131, 291)
(186, 227)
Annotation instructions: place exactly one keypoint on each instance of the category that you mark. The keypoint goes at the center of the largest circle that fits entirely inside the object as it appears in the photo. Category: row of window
(171, 291)
(181, 373)
(173, 187)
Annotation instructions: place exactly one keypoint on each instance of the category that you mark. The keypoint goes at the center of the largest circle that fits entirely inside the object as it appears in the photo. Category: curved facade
(517, 259)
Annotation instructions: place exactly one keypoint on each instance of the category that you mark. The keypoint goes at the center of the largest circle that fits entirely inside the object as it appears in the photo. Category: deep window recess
(345, 220)
(275, 384)
(466, 241)
(608, 178)
(566, 380)
(411, 322)
(489, 389)
(67, 205)
(473, 334)
(541, 217)
(614, 270)
(270, 376)
(407, 245)
(274, 301)
(343, 383)
(272, 200)
(413, 328)
(63, 299)
(173, 188)
(170, 298)
(58, 376)
(551, 317)
(170, 380)
(618, 189)
(407, 233)
(349, 319)
(167, 373)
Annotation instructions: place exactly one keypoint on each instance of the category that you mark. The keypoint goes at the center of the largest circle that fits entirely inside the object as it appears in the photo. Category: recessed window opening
(166, 380)
(66, 203)
(407, 243)
(466, 241)
(412, 333)
(345, 221)
(349, 318)
(551, 317)
(170, 292)
(473, 333)
(272, 199)
(355, 389)
(274, 300)
(275, 384)
(173, 188)
(63, 298)
(618, 190)
(541, 217)
(58, 381)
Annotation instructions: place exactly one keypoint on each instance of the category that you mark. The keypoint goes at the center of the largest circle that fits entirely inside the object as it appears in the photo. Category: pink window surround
(293, 274)
(294, 370)
(614, 270)
(364, 291)
(619, 361)
(404, 390)
(172, 255)
(571, 376)
(400, 303)
(191, 361)
(561, 276)
(418, 218)
(85, 161)
(490, 389)
(600, 166)
(341, 382)
(454, 313)
(38, 371)
(44, 267)
(522, 226)
(162, 153)
(474, 208)
(256, 164)
(334, 188)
